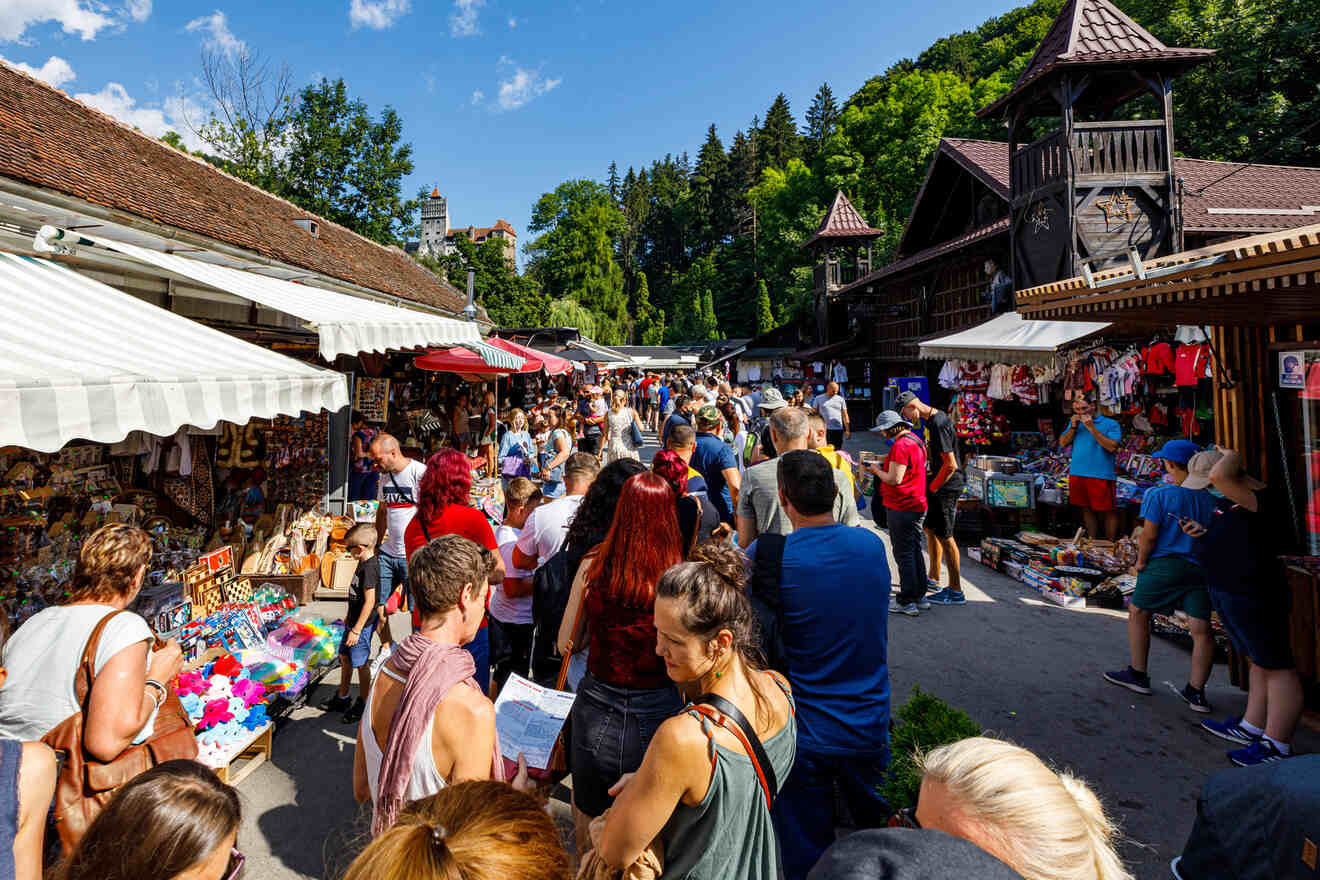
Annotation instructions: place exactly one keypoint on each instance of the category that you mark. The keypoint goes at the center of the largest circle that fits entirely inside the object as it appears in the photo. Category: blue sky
(501, 99)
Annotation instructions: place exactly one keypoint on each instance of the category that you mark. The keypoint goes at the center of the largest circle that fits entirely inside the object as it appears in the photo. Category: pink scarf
(431, 670)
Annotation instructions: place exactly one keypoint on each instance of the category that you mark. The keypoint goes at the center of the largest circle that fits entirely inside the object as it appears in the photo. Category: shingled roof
(1091, 32)
(842, 221)
(49, 140)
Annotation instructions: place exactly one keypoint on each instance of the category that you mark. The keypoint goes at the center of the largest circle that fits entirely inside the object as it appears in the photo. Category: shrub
(922, 723)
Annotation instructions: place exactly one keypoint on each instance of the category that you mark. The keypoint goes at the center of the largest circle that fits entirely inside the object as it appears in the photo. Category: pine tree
(655, 333)
(712, 208)
(765, 318)
(612, 182)
(822, 117)
(643, 313)
(709, 324)
(778, 141)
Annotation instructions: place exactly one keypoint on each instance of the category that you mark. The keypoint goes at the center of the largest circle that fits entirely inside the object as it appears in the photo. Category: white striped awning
(496, 357)
(81, 360)
(346, 324)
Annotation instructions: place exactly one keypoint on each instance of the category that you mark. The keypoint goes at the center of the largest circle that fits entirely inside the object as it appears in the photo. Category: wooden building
(970, 240)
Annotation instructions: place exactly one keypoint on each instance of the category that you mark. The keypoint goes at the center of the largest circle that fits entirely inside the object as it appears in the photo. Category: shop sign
(1292, 369)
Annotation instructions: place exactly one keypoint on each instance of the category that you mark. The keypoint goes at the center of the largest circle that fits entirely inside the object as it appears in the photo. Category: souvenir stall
(845, 364)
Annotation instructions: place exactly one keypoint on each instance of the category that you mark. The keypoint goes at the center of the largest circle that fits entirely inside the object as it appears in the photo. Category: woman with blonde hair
(618, 429)
(1045, 825)
(474, 830)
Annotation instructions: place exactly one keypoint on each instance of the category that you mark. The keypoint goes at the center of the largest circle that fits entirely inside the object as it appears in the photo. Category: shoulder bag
(721, 712)
(85, 784)
(764, 593)
(637, 439)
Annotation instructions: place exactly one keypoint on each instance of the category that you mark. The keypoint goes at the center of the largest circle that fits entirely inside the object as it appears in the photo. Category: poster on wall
(1292, 369)
(372, 399)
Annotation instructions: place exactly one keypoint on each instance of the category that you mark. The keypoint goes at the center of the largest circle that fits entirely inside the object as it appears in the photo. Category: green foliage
(921, 724)
(569, 313)
(649, 322)
(737, 215)
(346, 166)
(765, 319)
(511, 300)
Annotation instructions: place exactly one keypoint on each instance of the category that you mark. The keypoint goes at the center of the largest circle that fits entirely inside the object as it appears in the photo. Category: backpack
(551, 586)
(764, 592)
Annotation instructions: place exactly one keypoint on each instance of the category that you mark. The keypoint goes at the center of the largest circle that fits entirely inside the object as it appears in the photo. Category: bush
(922, 723)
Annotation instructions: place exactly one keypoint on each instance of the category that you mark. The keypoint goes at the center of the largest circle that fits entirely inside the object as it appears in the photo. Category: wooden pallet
(256, 752)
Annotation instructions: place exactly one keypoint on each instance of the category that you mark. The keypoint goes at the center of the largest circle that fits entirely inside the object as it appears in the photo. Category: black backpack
(765, 595)
(551, 586)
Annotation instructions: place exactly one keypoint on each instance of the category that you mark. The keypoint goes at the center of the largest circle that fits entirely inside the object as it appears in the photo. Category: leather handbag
(85, 784)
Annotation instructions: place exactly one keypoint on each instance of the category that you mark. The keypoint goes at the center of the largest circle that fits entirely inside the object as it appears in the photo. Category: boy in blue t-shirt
(1169, 576)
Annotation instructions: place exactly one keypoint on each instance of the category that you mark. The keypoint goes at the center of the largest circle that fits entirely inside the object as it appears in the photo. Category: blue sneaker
(932, 585)
(947, 596)
(897, 607)
(1230, 729)
(1137, 682)
(1262, 751)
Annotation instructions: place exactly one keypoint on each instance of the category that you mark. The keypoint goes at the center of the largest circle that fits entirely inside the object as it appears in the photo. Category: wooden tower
(1092, 185)
(842, 246)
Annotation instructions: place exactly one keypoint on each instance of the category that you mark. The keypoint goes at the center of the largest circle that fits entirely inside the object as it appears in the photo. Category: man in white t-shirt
(543, 533)
(397, 493)
(834, 409)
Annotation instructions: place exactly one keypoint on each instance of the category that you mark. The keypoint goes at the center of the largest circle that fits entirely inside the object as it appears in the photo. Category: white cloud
(377, 14)
(85, 18)
(172, 115)
(463, 20)
(138, 10)
(477, 97)
(523, 86)
(513, 22)
(56, 71)
(219, 38)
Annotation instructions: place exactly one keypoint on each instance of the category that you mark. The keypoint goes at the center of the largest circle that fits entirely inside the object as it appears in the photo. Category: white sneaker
(384, 655)
(895, 607)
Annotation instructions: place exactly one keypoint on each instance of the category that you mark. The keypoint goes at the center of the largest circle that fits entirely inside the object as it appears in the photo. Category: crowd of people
(721, 617)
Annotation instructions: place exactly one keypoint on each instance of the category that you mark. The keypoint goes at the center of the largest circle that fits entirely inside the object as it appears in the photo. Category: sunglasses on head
(236, 861)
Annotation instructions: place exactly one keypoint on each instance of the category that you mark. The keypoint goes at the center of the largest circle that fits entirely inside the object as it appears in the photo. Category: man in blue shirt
(714, 460)
(1169, 576)
(1094, 440)
(834, 587)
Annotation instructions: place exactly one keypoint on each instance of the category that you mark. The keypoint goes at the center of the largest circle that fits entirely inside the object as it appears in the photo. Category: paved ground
(1025, 670)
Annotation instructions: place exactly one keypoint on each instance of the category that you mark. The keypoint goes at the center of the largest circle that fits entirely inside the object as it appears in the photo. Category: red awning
(459, 360)
(535, 360)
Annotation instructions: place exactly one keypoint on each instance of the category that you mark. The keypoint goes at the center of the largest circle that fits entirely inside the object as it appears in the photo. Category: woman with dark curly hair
(442, 509)
(625, 694)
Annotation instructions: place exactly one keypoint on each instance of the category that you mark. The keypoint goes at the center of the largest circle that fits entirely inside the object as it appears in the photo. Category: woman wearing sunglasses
(177, 821)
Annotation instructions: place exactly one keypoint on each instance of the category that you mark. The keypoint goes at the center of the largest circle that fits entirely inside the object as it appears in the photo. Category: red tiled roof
(483, 231)
(1264, 190)
(1094, 32)
(979, 234)
(49, 140)
(843, 220)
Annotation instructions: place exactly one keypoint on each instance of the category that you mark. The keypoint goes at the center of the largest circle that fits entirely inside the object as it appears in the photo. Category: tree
(571, 313)
(251, 102)
(710, 325)
(822, 116)
(710, 202)
(649, 322)
(612, 182)
(778, 139)
(511, 300)
(765, 319)
(347, 167)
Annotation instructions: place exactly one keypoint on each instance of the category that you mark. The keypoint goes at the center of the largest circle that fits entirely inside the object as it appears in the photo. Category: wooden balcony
(830, 275)
(1124, 151)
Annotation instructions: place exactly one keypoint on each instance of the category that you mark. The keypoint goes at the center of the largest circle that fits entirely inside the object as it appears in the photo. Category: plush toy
(192, 704)
(227, 734)
(256, 717)
(190, 683)
(228, 666)
(249, 691)
(238, 709)
(221, 688)
(216, 712)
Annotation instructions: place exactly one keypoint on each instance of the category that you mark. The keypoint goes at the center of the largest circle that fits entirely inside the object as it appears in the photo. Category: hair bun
(726, 561)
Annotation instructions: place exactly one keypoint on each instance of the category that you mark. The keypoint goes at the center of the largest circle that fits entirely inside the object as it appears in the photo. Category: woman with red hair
(626, 692)
(696, 519)
(442, 509)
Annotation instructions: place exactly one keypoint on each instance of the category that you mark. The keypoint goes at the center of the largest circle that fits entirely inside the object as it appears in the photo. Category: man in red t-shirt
(902, 479)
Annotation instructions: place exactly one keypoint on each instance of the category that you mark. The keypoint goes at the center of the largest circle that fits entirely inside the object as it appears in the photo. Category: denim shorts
(360, 653)
(611, 728)
(1257, 626)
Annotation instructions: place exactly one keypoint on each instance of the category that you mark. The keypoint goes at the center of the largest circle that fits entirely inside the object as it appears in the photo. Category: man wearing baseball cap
(1239, 549)
(1169, 576)
(769, 401)
(714, 460)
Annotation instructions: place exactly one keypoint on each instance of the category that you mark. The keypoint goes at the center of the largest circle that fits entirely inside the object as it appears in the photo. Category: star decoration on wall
(1039, 218)
(1119, 204)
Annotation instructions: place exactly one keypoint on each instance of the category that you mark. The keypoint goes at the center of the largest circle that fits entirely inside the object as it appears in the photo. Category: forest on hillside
(705, 246)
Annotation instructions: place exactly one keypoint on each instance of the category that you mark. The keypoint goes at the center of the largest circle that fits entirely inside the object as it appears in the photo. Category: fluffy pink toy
(216, 712)
(250, 691)
(191, 683)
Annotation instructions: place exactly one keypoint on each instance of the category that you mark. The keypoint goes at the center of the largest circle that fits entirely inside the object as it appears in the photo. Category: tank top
(623, 645)
(424, 780)
(730, 833)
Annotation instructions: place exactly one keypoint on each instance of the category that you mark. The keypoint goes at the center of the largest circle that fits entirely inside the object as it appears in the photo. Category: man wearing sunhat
(769, 400)
(1239, 550)
(902, 480)
(1169, 576)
